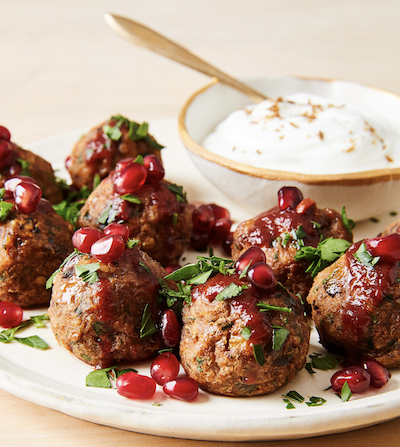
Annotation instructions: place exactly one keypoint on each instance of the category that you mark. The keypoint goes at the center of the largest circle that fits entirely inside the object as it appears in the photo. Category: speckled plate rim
(349, 179)
(54, 379)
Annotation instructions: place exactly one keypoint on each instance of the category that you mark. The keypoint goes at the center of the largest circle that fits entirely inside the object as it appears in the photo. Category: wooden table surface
(63, 69)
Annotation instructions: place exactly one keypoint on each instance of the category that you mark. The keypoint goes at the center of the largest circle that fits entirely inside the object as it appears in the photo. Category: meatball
(101, 148)
(32, 246)
(233, 348)
(23, 162)
(99, 320)
(356, 305)
(161, 221)
(280, 234)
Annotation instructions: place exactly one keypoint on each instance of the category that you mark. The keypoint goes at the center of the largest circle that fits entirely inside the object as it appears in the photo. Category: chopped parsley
(246, 332)
(326, 252)
(230, 291)
(88, 272)
(279, 337)
(178, 191)
(49, 282)
(326, 362)
(107, 216)
(345, 393)
(259, 354)
(364, 256)
(25, 166)
(70, 207)
(130, 198)
(132, 243)
(294, 395)
(348, 223)
(315, 401)
(264, 307)
(39, 320)
(5, 209)
(148, 328)
(101, 378)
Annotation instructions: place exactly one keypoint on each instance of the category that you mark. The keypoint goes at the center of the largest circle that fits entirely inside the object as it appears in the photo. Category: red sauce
(268, 226)
(367, 288)
(242, 306)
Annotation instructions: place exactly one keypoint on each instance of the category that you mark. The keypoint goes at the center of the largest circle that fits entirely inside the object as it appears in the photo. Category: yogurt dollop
(307, 134)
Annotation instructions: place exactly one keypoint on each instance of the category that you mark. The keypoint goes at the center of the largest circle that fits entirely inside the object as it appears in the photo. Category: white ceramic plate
(54, 379)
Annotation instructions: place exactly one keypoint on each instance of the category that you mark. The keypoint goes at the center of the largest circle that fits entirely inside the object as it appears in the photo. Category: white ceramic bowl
(365, 194)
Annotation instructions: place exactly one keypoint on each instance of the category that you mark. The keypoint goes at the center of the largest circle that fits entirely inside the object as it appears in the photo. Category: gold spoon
(141, 35)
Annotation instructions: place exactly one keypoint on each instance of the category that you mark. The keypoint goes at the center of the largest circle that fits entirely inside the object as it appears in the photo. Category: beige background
(62, 69)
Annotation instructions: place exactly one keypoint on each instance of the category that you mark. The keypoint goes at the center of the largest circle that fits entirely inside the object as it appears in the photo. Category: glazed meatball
(32, 246)
(356, 302)
(281, 233)
(101, 148)
(161, 221)
(23, 162)
(233, 348)
(100, 322)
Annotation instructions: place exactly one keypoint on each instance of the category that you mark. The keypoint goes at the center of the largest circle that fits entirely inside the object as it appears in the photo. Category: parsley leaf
(8, 335)
(294, 395)
(99, 378)
(348, 223)
(259, 354)
(88, 272)
(345, 393)
(327, 362)
(113, 133)
(178, 191)
(39, 320)
(315, 401)
(289, 404)
(5, 209)
(230, 291)
(25, 166)
(49, 282)
(364, 256)
(279, 337)
(130, 198)
(148, 328)
(264, 307)
(246, 332)
(132, 243)
(326, 252)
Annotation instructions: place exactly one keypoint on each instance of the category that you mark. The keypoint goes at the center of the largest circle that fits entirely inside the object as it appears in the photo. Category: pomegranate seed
(219, 230)
(130, 179)
(27, 196)
(108, 248)
(182, 388)
(164, 368)
(357, 378)
(155, 169)
(11, 183)
(219, 212)
(387, 247)
(5, 152)
(289, 197)
(199, 240)
(10, 314)
(116, 228)
(170, 329)
(4, 134)
(202, 218)
(123, 164)
(227, 244)
(261, 276)
(379, 373)
(136, 386)
(84, 238)
(253, 254)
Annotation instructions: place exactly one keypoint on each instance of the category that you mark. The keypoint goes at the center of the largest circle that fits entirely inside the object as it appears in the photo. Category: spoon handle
(141, 35)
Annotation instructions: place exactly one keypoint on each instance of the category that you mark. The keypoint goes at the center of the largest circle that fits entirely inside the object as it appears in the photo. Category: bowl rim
(349, 179)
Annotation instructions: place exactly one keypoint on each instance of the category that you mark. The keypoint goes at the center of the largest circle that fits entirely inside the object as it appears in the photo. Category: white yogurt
(307, 134)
